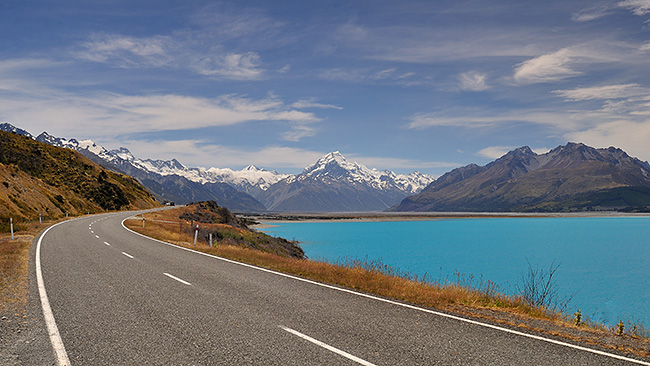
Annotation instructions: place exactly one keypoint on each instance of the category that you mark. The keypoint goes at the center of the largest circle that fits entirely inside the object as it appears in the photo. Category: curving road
(121, 299)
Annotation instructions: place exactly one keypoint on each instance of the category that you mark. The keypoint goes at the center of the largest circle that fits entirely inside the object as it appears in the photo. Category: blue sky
(400, 85)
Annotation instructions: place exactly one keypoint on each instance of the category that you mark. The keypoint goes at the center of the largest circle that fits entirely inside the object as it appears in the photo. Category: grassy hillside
(37, 178)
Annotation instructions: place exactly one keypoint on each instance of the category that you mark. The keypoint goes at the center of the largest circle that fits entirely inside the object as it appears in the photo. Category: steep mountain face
(573, 177)
(39, 179)
(334, 184)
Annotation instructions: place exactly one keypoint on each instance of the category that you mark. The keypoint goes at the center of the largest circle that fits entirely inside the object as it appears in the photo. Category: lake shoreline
(266, 220)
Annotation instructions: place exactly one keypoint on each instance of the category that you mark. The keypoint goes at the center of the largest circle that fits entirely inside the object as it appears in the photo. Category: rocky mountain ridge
(572, 177)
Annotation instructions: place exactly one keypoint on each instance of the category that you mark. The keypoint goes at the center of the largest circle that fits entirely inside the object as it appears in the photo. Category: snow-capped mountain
(251, 179)
(335, 167)
(8, 127)
(335, 184)
(331, 184)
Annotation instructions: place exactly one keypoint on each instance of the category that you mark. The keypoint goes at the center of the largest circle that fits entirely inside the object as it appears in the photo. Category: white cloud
(495, 152)
(105, 114)
(639, 7)
(628, 135)
(298, 132)
(171, 52)
(383, 163)
(371, 76)
(472, 81)
(126, 51)
(603, 92)
(231, 66)
(645, 47)
(592, 13)
(546, 68)
(202, 153)
(482, 119)
(311, 103)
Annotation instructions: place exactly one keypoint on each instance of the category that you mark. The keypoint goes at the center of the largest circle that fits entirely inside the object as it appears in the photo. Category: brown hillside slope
(36, 178)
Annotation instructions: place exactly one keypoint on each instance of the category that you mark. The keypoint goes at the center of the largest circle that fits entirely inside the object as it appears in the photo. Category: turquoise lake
(604, 262)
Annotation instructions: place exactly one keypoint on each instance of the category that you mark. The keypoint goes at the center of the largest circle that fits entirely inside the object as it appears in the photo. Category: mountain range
(331, 184)
(573, 177)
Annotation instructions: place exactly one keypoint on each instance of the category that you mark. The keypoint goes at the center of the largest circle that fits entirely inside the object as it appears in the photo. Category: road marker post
(210, 240)
(196, 233)
(143, 221)
(40, 219)
(11, 223)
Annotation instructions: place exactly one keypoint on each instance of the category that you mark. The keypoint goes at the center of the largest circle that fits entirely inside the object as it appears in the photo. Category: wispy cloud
(485, 119)
(473, 81)
(645, 47)
(546, 68)
(391, 76)
(593, 12)
(603, 92)
(312, 103)
(194, 153)
(298, 132)
(170, 52)
(123, 51)
(495, 152)
(110, 114)
(384, 163)
(638, 7)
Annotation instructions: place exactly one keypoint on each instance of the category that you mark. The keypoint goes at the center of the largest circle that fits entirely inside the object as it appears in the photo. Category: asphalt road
(121, 299)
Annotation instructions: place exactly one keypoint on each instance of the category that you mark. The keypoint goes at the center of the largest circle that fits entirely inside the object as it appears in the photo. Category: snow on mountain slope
(334, 166)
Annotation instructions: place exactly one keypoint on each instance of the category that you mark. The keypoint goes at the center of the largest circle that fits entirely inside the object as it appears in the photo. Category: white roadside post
(210, 240)
(40, 219)
(196, 233)
(11, 223)
(143, 221)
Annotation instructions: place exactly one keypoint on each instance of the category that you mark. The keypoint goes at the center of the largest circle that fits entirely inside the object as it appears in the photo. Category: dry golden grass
(14, 270)
(14, 264)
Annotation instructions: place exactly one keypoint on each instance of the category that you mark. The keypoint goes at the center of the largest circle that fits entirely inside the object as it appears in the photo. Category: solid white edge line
(127, 254)
(177, 279)
(52, 329)
(429, 311)
(328, 347)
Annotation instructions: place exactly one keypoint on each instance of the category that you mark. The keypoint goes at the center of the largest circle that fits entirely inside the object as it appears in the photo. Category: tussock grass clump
(14, 267)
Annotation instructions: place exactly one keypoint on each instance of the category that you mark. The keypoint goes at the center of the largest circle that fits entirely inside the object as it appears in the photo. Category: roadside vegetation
(14, 265)
(536, 307)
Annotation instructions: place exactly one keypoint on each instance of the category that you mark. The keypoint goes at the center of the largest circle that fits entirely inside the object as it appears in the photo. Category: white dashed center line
(128, 255)
(177, 279)
(328, 347)
(106, 243)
